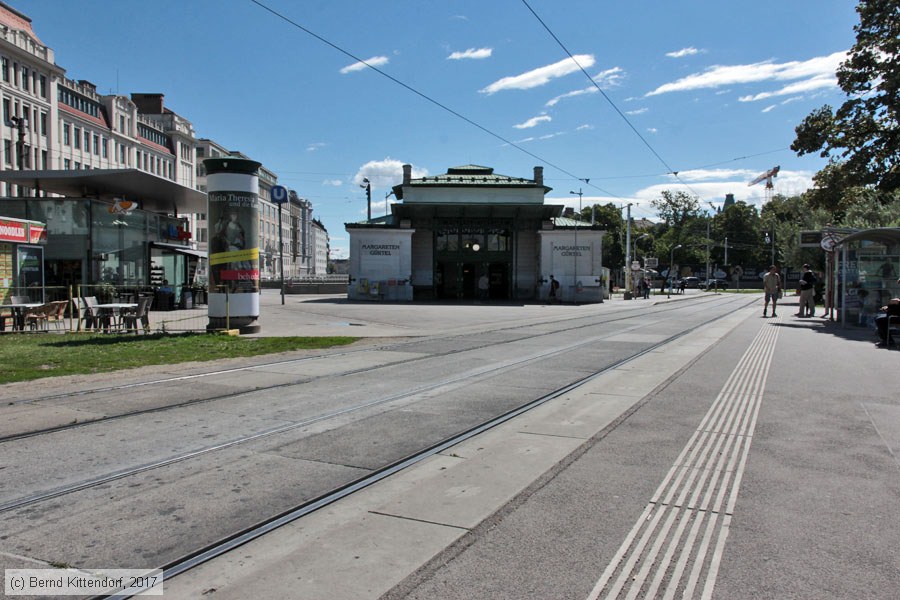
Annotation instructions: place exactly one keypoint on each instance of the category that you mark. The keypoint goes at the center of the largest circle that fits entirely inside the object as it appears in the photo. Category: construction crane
(767, 177)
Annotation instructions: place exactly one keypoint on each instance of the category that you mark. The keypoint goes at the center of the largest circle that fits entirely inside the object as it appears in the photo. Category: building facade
(453, 235)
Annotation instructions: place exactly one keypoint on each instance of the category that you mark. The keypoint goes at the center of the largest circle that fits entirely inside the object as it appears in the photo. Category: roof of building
(472, 175)
(18, 21)
(153, 193)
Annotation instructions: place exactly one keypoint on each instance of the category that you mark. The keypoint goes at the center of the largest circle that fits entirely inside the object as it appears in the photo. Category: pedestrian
(807, 289)
(646, 288)
(554, 286)
(484, 286)
(772, 289)
(681, 286)
(891, 309)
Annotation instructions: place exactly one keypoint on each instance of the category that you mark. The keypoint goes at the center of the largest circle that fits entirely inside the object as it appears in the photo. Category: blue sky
(712, 90)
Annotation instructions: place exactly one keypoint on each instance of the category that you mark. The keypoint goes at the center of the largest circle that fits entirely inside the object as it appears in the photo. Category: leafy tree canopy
(863, 135)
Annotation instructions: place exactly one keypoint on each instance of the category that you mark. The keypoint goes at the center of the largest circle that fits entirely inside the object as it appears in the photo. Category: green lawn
(24, 357)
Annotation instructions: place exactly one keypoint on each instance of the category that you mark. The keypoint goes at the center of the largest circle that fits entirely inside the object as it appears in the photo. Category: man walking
(807, 289)
(772, 288)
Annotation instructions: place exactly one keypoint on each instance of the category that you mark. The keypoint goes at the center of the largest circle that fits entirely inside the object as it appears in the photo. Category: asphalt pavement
(605, 490)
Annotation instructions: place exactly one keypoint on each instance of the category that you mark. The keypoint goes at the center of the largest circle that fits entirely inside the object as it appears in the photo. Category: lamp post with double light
(576, 252)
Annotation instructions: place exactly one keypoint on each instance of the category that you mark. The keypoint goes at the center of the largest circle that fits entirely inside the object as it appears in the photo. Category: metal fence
(171, 310)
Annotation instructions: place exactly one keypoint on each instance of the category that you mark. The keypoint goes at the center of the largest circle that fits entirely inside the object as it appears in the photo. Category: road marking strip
(697, 495)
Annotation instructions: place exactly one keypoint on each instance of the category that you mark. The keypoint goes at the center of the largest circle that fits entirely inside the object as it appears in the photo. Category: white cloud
(375, 61)
(583, 127)
(472, 53)
(769, 108)
(730, 181)
(818, 68)
(385, 173)
(610, 77)
(555, 101)
(542, 75)
(533, 121)
(333, 182)
(652, 130)
(552, 135)
(315, 146)
(800, 87)
(689, 51)
(637, 111)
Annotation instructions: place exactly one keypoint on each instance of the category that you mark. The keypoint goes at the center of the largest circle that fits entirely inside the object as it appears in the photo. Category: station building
(451, 230)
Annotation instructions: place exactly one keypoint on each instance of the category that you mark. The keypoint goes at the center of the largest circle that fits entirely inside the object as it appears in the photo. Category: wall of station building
(390, 264)
(381, 265)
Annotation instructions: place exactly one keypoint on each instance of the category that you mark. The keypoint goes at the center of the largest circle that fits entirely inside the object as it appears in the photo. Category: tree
(863, 135)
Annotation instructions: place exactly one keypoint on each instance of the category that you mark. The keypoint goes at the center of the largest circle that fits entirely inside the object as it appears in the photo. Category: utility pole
(726, 251)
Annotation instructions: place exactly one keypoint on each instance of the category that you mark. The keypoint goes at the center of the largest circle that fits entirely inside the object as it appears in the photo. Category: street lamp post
(672, 264)
(628, 251)
(576, 252)
(368, 188)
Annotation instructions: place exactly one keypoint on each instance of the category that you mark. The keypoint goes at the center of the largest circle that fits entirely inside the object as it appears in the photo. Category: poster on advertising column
(234, 241)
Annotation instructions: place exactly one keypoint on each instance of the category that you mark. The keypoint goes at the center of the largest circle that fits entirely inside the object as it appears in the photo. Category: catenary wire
(670, 170)
(425, 96)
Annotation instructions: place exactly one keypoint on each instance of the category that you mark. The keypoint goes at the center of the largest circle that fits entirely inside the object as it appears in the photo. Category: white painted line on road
(706, 475)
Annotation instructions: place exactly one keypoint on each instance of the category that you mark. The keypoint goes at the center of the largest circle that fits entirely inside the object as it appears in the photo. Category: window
(66, 134)
(25, 79)
(4, 67)
(77, 137)
(7, 151)
(43, 123)
(77, 165)
(87, 140)
(44, 159)
(67, 164)
(43, 86)
(96, 144)
(6, 113)
(16, 74)
(121, 123)
(104, 147)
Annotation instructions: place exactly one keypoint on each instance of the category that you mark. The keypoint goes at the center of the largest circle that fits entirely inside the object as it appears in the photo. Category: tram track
(226, 544)
(572, 325)
(488, 370)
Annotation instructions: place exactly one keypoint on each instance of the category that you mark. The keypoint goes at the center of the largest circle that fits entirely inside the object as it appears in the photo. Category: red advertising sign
(13, 230)
(37, 234)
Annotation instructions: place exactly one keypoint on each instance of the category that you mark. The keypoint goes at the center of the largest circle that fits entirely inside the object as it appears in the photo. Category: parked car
(691, 282)
(709, 284)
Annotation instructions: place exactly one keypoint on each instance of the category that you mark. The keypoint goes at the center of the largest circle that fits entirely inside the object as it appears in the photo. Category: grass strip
(27, 357)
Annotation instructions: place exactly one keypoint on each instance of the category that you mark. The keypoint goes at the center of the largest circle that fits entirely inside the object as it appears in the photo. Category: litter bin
(187, 299)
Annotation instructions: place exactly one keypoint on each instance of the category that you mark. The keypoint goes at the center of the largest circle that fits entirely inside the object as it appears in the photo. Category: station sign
(279, 194)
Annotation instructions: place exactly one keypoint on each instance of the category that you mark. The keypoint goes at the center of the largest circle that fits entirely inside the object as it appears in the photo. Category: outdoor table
(18, 311)
(107, 311)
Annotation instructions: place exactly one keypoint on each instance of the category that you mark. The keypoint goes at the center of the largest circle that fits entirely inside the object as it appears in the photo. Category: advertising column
(233, 217)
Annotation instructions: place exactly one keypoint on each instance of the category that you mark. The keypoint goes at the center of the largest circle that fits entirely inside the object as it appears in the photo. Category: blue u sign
(279, 194)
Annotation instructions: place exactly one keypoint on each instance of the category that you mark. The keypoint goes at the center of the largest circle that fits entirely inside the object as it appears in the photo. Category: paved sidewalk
(539, 507)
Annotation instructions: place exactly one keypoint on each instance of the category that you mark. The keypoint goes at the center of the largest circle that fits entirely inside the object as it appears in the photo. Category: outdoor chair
(57, 314)
(130, 318)
(39, 316)
(89, 313)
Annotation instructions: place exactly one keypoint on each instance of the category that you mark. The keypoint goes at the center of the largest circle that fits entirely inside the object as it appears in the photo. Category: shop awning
(179, 249)
(152, 193)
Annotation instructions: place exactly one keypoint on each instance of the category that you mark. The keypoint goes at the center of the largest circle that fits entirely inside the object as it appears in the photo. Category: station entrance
(467, 250)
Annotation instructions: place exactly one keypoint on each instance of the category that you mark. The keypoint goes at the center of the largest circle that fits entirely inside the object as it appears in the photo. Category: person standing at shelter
(891, 309)
(554, 287)
(484, 286)
(772, 289)
(807, 289)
